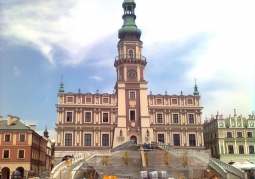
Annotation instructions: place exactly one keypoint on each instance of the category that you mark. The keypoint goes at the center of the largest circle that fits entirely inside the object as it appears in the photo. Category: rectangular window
(88, 117)
(22, 137)
(6, 154)
(249, 134)
(105, 117)
(174, 101)
(241, 149)
(69, 99)
(69, 116)
(229, 134)
(7, 138)
(192, 140)
(159, 101)
(21, 154)
(68, 139)
(105, 140)
(88, 100)
(191, 118)
(105, 100)
(239, 134)
(159, 118)
(161, 138)
(251, 149)
(189, 101)
(132, 95)
(87, 139)
(132, 115)
(230, 149)
(175, 118)
(176, 139)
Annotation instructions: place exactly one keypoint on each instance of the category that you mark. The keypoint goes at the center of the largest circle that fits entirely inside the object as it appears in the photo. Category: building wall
(231, 138)
(24, 147)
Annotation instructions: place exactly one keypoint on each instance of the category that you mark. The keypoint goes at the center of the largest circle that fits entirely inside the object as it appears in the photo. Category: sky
(211, 41)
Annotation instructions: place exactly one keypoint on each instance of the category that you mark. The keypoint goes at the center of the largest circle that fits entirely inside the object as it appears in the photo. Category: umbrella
(236, 164)
(246, 165)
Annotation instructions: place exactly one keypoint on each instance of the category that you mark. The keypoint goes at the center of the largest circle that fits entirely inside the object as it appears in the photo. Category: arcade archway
(6, 173)
(134, 138)
(21, 170)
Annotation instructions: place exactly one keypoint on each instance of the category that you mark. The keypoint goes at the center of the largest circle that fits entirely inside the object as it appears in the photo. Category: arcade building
(87, 121)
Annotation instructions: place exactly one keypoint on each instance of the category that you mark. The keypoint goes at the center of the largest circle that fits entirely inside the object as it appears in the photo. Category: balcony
(133, 59)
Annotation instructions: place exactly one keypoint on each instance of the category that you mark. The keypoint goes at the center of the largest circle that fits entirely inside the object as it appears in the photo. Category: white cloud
(16, 71)
(96, 78)
(225, 65)
(71, 28)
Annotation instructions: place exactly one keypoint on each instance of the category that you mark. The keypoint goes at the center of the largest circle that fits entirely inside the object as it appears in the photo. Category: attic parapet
(88, 99)
(173, 100)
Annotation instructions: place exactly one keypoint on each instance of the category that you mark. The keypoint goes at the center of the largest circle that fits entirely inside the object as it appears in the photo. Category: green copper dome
(129, 27)
(196, 93)
(61, 89)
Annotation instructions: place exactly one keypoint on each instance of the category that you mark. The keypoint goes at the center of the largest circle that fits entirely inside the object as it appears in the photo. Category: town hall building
(87, 121)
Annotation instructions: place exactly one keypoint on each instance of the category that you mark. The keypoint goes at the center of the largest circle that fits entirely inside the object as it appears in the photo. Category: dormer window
(131, 53)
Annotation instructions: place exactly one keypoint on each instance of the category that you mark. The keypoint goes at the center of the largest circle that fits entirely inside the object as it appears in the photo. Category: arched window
(130, 53)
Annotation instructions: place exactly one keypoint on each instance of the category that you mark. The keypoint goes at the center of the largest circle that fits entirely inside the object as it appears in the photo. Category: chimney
(32, 127)
(15, 118)
(1, 118)
(9, 120)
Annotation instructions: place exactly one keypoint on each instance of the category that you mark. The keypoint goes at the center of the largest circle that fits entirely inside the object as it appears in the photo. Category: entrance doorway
(6, 173)
(134, 138)
(21, 170)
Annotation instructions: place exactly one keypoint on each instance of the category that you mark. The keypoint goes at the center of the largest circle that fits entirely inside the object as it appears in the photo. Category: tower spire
(46, 133)
(61, 89)
(129, 27)
(196, 93)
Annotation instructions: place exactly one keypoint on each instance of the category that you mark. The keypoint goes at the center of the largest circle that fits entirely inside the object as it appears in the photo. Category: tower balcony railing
(125, 58)
(131, 57)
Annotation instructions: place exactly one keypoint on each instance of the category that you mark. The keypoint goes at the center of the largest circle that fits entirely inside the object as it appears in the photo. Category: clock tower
(131, 86)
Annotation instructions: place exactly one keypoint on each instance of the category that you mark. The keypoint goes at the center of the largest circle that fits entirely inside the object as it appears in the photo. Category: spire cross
(79, 90)
(195, 81)
(61, 77)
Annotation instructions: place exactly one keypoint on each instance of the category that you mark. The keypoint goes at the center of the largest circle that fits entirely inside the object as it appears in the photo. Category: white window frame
(91, 139)
(72, 117)
(24, 137)
(105, 98)
(130, 115)
(91, 100)
(108, 139)
(71, 138)
(162, 122)
(69, 97)
(177, 118)
(108, 117)
(85, 116)
(9, 136)
(193, 118)
(133, 53)
(18, 154)
(195, 139)
(8, 154)
(130, 94)
(176, 100)
(192, 103)
(179, 139)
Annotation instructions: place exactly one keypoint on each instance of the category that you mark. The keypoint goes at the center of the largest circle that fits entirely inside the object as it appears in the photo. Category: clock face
(131, 74)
